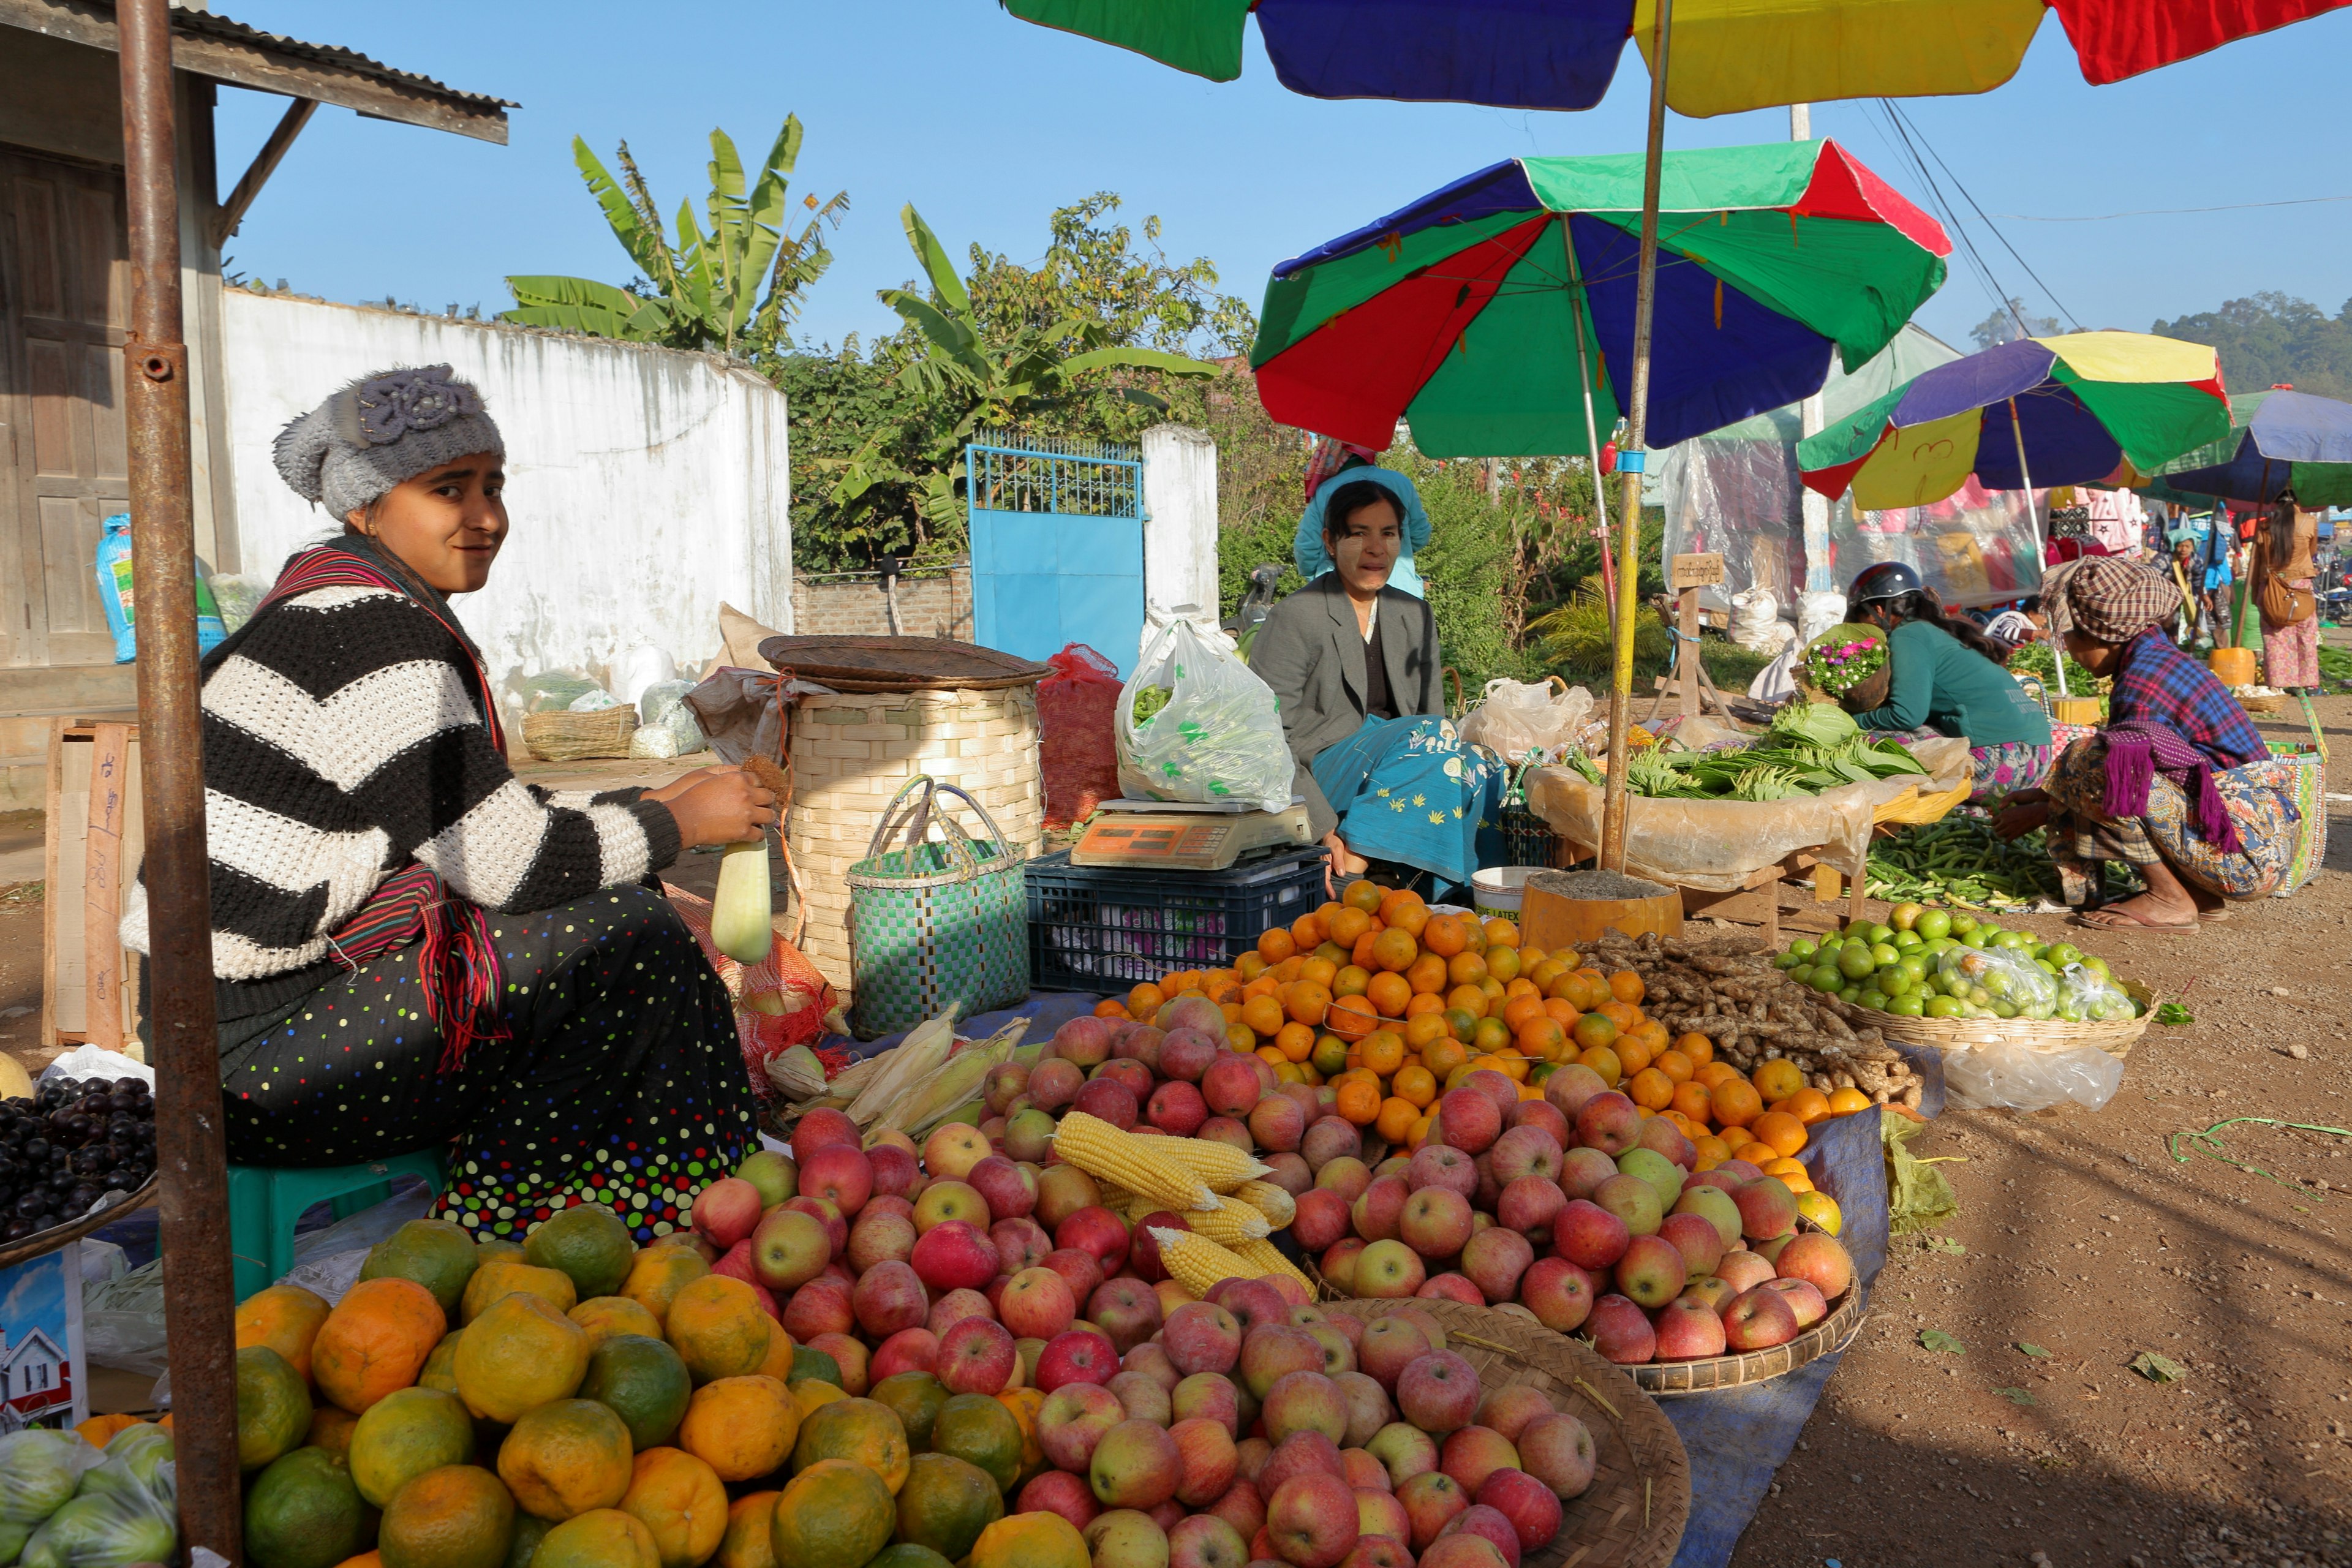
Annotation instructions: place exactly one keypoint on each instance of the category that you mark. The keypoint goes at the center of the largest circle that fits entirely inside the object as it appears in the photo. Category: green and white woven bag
(935, 924)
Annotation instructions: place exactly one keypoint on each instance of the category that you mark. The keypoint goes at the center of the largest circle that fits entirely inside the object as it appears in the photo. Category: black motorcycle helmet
(1887, 580)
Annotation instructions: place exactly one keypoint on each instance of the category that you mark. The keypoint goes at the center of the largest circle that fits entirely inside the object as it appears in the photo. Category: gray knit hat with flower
(381, 431)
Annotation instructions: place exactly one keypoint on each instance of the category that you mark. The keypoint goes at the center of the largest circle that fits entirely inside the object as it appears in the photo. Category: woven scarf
(2138, 750)
(457, 961)
(1330, 456)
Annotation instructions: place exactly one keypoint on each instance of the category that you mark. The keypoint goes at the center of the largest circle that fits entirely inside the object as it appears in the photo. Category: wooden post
(1690, 574)
(102, 892)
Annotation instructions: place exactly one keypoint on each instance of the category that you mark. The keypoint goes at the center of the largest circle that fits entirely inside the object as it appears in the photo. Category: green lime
(1897, 983)
(2063, 954)
(1882, 953)
(1789, 960)
(434, 1253)
(1803, 947)
(1942, 1007)
(644, 1382)
(1825, 978)
(1874, 1000)
(302, 1512)
(1932, 923)
(1854, 960)
(1960, 925)
(587, 1242)
(1910, 1007)
(1913, 964)
(1905, 941)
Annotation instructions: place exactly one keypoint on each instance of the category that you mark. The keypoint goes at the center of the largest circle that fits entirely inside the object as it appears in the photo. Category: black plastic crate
(1109, 928)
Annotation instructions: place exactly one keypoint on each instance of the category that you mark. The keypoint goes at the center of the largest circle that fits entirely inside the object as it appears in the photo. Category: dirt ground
(2081, 1235)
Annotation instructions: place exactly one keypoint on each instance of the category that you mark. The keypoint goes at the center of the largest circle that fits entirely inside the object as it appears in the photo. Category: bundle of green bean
(1960, 860)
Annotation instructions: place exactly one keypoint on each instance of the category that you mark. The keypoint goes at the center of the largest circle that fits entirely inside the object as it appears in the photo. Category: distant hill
(2274, 338)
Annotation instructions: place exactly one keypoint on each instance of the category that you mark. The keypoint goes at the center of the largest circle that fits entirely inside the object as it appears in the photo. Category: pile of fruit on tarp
(881, 1356)
(67, 1502)
(1931, 962)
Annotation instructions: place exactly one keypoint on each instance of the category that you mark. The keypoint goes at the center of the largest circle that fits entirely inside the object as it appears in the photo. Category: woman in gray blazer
(1354, 664)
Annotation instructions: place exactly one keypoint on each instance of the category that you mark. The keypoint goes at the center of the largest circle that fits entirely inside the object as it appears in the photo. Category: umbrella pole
(1629, 502)
(1592, 426)
(198, 1286)
(2017, 429)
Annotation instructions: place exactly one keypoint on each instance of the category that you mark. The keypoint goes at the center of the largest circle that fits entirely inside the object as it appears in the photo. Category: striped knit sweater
(342, 741)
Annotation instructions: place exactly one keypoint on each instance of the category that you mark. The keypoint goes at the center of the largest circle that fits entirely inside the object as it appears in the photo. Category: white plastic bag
(639, 667)
(1777, 681)
(1217, 738)
(1817, 612)
(1756, 622)
(665, 725)
(1985, 1078)
(96, 1061)
(1513, 718)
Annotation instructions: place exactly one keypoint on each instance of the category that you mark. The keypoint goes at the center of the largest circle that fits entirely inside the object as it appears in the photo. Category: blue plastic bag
(114, 592)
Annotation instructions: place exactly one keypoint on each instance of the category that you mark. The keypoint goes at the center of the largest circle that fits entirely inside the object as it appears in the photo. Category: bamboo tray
(1633, 1515)
(2114, 1036)
(1668, 1379)
(25, 1249)
(867, 664)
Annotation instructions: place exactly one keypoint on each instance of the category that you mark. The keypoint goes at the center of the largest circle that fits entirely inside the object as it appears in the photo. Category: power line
(1992, 286)
(2173, 212)
(1896, 110)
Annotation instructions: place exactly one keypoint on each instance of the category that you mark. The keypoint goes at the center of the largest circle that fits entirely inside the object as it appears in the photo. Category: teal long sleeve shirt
(1942, 683)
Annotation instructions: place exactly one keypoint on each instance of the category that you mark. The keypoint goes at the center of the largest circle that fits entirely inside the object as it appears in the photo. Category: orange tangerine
(1697, 1048)
(1290, 969)
(1423, 1030)
(1461, 1022)
(1626, 986)
(1562, 1012)
(1624, 1014)
(1633, 1050)
(1308, 933)
(1382, 1052)
(1361, 953)
(1309, 1001)
(1350, 1018)
(1358, 1102)
(1542, 974)
(1490, 1036)
(1844, 1102)
(1348, 926)
(1443, 936)
(1351, 981)
(1690, 1129)
(1503, 962)
(1542, 1038)
(1714, 1073)
(1777, 1080)
(1396, 1118)
(1232, 1009)
(1513, 989)
(1332, 953)
(1781, 1130)
(1294, 1041)
(1465, 969)
(1145, 998)
(1320, 971)
(1518, 1010)
(1603, 1060)
(1264, 985)
(1362, 895)
(1424, 1002)
(1444, 1055)
(1110, 1007)
(1241, 1037)
(1810, 1105)
(1388, 993)
(1711, 1150)
(1262, 1015)
(1468, 999)
(1275, 945)
(1405, 910)
(1797, 1181)
(1737, 1103)
(1652, 1089)
(1249, 966)
(1395, 951)
(1271, 1056)
(1675, 1065)
(1427, 975)
(1694, 1102)
(1419, 1133)
(1594, 1031)
(1501, 933)
(1758, 1155)
(1415, 1085)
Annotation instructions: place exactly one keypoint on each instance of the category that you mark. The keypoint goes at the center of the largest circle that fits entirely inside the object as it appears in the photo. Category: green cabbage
(1822, 724)
(38, 1470)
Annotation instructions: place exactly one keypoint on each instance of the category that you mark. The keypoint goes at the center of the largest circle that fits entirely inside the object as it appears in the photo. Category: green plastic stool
(266, 1203)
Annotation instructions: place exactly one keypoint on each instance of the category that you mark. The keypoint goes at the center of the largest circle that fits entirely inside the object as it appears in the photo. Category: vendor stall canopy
(1727, 55)
(2093, 406)
(2279, 440)
(1460, 311)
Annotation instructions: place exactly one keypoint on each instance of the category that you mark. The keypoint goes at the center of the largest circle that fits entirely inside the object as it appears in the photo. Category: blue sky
(986, 125)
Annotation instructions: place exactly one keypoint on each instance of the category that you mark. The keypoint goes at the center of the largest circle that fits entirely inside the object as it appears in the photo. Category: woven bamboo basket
(25, 1249)
(1634, 1513)
(852, 752)
(2116, 1037)
(1669, 1379)
(569, 737)
(2274, 704)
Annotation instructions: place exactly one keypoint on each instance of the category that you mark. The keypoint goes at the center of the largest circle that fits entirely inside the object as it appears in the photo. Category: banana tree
(706, 288)
(981, 383)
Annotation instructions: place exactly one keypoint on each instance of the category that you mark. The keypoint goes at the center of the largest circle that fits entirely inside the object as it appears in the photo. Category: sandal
(2114, 916)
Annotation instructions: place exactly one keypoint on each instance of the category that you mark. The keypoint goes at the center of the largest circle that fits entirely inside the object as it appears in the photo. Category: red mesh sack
(1078, 741)
(780, 1002)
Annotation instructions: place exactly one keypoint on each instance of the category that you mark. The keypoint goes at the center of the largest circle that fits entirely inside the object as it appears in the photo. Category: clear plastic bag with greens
(118, 1510)
(1195, 724)
(1999, 982)
(2087, 996)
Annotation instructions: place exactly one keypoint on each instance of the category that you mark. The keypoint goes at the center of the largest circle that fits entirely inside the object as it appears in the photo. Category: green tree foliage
(1068, 339)
(735, 289)
(839, 401)
(2273, 338)
(2000, 327)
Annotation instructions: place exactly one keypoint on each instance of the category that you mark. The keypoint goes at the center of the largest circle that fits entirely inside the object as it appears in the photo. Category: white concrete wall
(644, 485)
(1180, 529)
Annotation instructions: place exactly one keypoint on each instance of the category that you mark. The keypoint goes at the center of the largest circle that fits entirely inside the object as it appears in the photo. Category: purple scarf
(2139, 748)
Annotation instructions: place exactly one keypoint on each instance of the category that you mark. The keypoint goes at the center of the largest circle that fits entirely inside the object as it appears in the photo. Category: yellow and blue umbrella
(2280, 440)
(2036, 412)
(1727, 54)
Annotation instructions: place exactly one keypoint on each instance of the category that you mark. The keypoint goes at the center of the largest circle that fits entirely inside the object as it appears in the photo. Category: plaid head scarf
(2108, 598)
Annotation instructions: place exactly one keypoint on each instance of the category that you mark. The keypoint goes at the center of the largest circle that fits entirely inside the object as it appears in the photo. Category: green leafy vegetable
(1822, 724)
(1938, 1340)
(2173, 1014)
(1148, 700)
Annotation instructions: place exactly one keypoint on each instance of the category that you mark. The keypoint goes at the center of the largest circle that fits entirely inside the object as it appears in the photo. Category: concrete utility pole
(1811, 414)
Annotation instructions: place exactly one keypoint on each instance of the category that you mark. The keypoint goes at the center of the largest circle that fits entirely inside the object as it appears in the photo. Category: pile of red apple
(1580, 1212)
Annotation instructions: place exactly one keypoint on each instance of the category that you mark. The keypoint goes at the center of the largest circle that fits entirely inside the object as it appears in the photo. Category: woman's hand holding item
(2027, 810)
(685, 782)
(724, 805)
(1345, 862)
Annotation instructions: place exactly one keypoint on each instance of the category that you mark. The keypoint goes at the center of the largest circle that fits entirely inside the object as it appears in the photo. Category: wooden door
(65, 305)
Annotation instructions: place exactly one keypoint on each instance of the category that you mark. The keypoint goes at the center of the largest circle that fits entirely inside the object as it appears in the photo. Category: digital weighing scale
(1167, 836)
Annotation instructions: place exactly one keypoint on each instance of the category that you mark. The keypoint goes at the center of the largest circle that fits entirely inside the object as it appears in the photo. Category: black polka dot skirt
(620, 1082)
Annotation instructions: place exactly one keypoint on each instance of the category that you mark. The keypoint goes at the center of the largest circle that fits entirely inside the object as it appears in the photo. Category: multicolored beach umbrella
(2088, 403)
(1470, 311)
(1727, 54)
(2280, 440)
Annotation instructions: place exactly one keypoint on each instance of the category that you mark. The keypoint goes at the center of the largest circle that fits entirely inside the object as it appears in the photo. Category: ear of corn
(1279, 1207)
(1221, 1165)
(1136, 1164)
(1229, 1223)
(1263, 1258)
(1197, 1263)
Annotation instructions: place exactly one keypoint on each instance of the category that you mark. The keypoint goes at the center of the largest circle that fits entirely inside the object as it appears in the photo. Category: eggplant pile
(67, 1146)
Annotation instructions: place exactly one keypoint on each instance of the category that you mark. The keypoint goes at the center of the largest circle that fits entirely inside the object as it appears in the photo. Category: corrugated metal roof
(213, 24)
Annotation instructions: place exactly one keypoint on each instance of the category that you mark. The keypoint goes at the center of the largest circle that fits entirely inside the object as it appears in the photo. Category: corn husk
(797, 1074)
(924, 1080)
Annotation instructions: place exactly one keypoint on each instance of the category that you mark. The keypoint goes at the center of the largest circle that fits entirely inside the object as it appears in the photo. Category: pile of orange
(1390, 1006)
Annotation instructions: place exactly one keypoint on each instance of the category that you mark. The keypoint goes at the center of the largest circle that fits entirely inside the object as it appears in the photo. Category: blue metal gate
(1056, 546)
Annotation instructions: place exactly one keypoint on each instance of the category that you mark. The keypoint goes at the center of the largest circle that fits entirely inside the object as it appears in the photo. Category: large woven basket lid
(899, 664)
